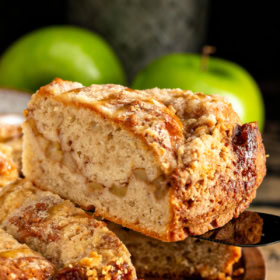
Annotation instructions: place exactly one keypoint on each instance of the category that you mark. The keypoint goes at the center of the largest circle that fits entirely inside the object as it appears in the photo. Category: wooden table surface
(268, 195)
(269, 192)
(271, 253)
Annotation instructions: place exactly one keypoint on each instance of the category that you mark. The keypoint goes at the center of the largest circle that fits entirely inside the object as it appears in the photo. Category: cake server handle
(250, 229)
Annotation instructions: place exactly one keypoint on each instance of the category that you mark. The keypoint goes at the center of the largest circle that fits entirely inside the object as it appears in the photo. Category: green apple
(66, 52)
(221, 77)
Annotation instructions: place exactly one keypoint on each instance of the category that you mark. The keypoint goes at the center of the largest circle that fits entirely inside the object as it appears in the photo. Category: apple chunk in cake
(167, 163)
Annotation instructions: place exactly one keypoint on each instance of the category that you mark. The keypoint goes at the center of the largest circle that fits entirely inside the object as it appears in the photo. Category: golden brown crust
(250, 166)
(86, 271)
(212, 162)
(8, 169)
(234, 193)
(25, 268)
(18, 262)
(49, 225)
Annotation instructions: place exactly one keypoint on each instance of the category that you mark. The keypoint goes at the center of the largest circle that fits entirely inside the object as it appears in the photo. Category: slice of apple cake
(78, 245)
(167, 163)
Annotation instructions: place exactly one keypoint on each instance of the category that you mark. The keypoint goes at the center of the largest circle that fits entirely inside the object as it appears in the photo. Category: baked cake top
(164, 119)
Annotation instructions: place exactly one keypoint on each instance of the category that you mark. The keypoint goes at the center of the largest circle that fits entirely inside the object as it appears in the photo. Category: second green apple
(221, 77)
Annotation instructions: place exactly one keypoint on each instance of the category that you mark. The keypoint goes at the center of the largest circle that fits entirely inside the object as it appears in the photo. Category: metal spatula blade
(250, 229)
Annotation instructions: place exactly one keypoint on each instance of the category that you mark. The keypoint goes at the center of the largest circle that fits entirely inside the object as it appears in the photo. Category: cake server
(250, 229)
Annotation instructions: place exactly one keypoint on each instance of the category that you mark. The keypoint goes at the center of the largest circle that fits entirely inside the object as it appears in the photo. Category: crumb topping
(33, 222)
(92, 268)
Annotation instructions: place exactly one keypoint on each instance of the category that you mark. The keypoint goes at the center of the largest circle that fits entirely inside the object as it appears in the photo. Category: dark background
(247, 34)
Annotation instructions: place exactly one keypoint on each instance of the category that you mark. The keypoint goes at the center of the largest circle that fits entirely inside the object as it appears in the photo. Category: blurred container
(13, 101)
(142, 30)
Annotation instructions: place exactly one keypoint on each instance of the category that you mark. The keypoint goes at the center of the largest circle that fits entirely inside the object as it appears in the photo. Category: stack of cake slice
(78, 245)
(166, 163)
